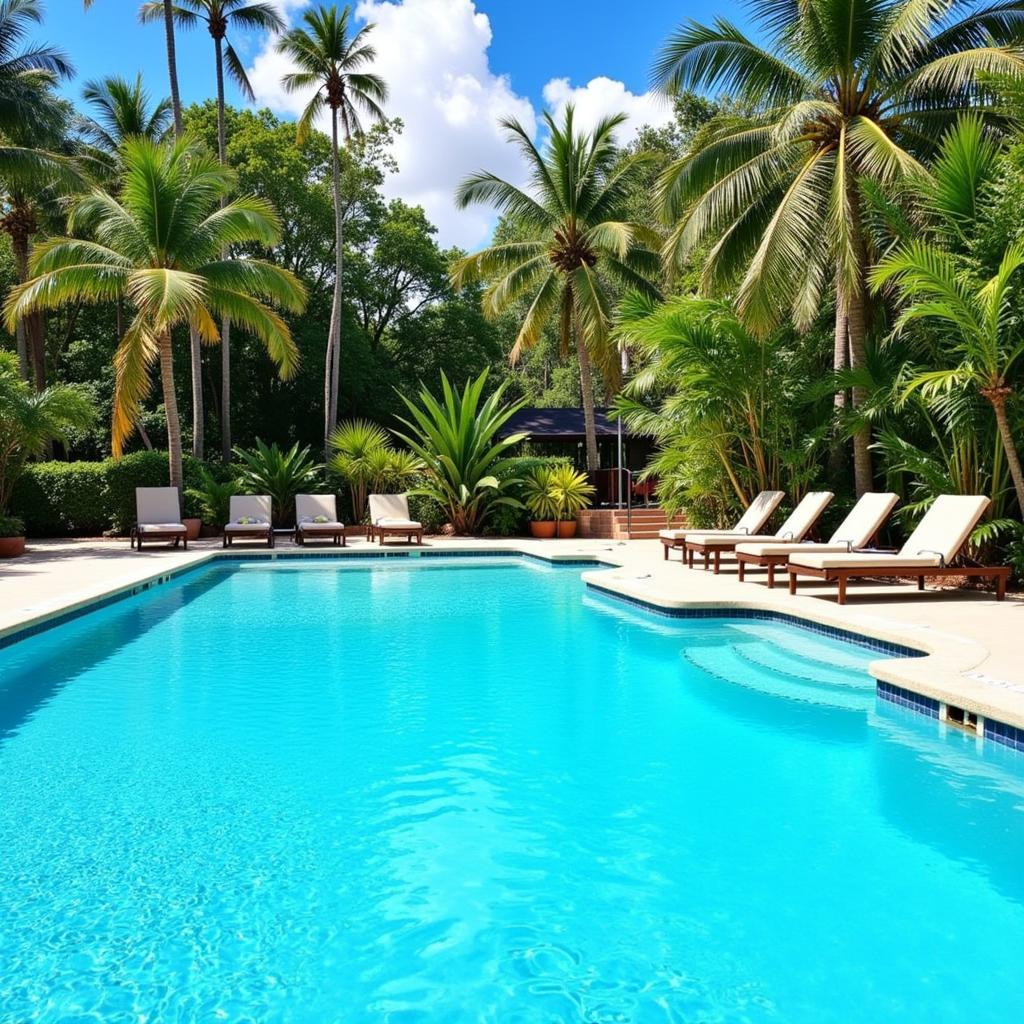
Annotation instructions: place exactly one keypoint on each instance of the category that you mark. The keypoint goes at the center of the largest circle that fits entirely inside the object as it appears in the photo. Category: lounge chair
(389, 517)
(158, 516)
(857, 530)
(928, 552)
(316, 518)
(794, 529)
(758, 512)
(250, 516)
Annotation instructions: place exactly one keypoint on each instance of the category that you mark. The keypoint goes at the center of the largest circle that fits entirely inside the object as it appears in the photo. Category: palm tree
(981, 320)
(122, 110)
(29, 113)
(158, 245)
(572, 236)
(218, 16)
(332, 60)
(842, 95)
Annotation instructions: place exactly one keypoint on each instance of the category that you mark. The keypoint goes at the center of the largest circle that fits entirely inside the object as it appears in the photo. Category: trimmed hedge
(67, 499)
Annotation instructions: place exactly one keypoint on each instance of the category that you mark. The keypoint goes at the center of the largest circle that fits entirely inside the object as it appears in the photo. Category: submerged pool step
(727, 664)
(800, 667)
(806, 646)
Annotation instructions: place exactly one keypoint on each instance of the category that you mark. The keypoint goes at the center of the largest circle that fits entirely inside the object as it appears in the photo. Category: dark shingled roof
(559, 423)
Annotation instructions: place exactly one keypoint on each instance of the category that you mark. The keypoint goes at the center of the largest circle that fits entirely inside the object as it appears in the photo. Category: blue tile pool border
(923, 705)
(727, 612)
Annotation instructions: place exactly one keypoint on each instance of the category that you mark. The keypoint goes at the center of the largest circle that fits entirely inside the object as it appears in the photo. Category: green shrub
(143, 469)
(59, 499)
(509, 521)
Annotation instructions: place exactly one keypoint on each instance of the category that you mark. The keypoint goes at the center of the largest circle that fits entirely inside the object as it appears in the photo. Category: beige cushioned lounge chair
(158, 516)
(389, 517)
(800, 522)
(857, 530)
(758, 512)
(928, 552)
(309, 508)
(253, 507)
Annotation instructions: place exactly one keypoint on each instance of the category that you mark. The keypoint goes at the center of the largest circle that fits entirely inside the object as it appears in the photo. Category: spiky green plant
(574, 240)
(158, 246)
(214, 497)
(361, 456)
(465, 461)
(281, 474)
(572, 490)
(845, 93)
(539, 494)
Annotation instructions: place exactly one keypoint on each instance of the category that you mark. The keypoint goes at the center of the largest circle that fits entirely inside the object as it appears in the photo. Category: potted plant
(213, 497)
(572, 493)
(540, 498)
(12, 536)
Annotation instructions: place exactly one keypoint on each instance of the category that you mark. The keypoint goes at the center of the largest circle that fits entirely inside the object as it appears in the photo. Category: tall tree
(28, 113)
(121, 109)
(218, 16)
(573, 236)
(332, 60)
(158, 245)
(845, 92)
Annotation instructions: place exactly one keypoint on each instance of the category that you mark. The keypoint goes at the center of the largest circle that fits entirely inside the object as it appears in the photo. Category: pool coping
(926, 663)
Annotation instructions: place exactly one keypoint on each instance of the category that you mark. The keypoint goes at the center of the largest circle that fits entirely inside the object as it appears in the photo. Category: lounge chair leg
(771, 575)
(792, 582)
(841, 582)
(184, 543)
(718, 560)
(920, 583)
(1000, 586)
(739, 570)
(664, 549)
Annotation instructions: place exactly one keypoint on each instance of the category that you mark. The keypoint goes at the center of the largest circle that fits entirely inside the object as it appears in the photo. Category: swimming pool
(472, 790)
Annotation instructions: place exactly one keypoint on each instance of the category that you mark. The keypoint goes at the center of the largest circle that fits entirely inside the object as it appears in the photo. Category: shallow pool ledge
(941, 671)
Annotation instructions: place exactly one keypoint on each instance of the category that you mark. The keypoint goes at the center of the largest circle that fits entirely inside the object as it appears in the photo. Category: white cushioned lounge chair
(928, 552)
(857, 530)
(316, 518)
(800, 522)
(250, 519)
(389, 517)
(758, 512)
(158, 516)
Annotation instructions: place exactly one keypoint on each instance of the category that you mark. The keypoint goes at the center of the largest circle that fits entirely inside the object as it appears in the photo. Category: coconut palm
(981, 320)
(333, 61)
(122, 110)
(158, 245)
(218, 16)
(572, 237)
(30, 114)
(844, 93)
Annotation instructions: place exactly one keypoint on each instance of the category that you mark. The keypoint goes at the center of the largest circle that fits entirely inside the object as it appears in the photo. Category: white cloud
(603, 96)
(434, 56)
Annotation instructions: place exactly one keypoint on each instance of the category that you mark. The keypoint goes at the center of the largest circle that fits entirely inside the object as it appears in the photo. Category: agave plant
(572, 490)
(465, 462)
(539, 494)
(281, 474)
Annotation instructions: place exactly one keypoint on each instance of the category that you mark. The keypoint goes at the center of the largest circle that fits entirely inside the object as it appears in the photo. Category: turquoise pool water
(418, 791)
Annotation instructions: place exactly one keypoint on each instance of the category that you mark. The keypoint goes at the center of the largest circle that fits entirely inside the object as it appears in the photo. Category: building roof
(559, 424)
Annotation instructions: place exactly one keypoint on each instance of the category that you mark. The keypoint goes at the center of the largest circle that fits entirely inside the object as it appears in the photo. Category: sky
(453, 67)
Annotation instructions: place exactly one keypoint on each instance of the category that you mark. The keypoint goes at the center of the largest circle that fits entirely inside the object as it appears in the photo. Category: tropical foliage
(267, 469)
(466, 460)
(368, 462)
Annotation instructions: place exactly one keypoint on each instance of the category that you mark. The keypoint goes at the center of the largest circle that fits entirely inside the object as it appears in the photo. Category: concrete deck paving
(974, 644)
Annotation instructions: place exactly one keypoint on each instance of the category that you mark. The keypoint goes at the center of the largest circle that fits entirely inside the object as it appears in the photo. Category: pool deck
(974, 643)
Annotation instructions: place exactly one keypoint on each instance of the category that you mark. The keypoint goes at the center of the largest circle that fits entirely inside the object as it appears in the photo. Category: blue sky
(454, 68)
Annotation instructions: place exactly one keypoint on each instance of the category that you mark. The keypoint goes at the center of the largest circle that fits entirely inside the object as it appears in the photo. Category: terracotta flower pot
(543, 529)
(11, 547)
(566, 528)
(192, 528)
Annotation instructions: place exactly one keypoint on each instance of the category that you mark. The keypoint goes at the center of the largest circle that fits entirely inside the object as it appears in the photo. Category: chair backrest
(157, 505)
(805, 515)
(946, 526)
(759, 511)
(252, 506)
(309, 506)
(865, 519)
(388, 506)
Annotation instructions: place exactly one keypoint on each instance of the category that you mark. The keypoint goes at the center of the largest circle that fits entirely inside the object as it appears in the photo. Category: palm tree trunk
(171, 410)
(587, 393)
(854, 306)
(997, 396)
(841, 347)
(332, 371)
(225, 329)
(19, 246)
(172, 67)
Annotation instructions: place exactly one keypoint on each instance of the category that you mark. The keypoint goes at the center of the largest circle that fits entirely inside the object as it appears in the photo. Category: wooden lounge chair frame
(671, 543)
(999, 574)
(773, 562)
(382, 530)
(175, 532)
(317, 531)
